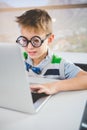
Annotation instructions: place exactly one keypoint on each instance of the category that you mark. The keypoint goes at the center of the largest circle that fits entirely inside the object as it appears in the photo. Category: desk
(63, 111)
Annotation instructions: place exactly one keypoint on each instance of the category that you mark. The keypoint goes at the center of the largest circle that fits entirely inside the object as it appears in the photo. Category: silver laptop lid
(14, 85)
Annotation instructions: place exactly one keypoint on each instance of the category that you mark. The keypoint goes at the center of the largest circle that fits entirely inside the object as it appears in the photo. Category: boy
(36, 36)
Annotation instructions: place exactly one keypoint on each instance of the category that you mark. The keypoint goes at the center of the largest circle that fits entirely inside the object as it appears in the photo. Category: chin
(32, 57)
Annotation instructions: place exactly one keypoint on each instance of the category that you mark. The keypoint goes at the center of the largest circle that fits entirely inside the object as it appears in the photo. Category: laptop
(15, 93)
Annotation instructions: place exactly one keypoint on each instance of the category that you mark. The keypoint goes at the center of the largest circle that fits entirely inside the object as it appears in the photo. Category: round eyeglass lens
(36, 41)
(22, 41)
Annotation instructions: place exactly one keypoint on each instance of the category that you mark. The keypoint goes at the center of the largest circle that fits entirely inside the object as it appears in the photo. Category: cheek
(25, 49)
(42, 49)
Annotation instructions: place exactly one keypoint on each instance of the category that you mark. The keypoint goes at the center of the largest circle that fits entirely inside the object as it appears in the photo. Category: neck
(38, 60)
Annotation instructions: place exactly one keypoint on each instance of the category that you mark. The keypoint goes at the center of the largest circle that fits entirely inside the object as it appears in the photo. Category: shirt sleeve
(70, 69)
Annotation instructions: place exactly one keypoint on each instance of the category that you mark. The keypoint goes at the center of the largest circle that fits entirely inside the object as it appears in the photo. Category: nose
(30, 45)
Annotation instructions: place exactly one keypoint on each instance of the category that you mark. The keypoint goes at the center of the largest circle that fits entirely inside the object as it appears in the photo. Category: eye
(23, 41)
(36, 41)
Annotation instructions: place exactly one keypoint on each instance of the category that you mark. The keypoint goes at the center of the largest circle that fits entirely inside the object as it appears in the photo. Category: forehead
(31, 31)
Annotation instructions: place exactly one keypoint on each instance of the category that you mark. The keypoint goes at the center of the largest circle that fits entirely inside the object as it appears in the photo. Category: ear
(51, 38)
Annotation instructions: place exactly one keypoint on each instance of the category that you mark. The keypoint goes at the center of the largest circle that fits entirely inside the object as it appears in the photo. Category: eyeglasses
(36, 41)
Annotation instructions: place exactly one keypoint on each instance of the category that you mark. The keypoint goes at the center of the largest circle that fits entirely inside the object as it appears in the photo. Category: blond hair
(37, 19)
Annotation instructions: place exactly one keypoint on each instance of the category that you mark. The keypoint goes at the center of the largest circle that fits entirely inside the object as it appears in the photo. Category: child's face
(36, 54)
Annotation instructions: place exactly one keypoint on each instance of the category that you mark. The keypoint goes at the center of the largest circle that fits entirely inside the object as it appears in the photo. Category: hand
(47, 88)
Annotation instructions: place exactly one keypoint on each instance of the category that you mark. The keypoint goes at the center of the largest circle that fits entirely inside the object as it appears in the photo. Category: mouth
(32, 53)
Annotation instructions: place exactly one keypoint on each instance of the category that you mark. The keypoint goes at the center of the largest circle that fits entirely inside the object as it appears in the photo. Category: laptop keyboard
(37, 96)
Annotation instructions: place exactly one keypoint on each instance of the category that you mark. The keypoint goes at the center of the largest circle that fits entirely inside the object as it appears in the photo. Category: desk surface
(63, 111)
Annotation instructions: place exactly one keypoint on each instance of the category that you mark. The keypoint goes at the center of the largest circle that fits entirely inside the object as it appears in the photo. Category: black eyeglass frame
(27, 41)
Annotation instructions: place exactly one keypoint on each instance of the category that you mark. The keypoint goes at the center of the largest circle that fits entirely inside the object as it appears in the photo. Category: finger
(36, 86)
(33, 87)
(41, 91)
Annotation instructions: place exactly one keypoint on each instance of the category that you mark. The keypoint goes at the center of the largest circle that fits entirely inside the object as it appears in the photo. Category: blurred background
(69, 21)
